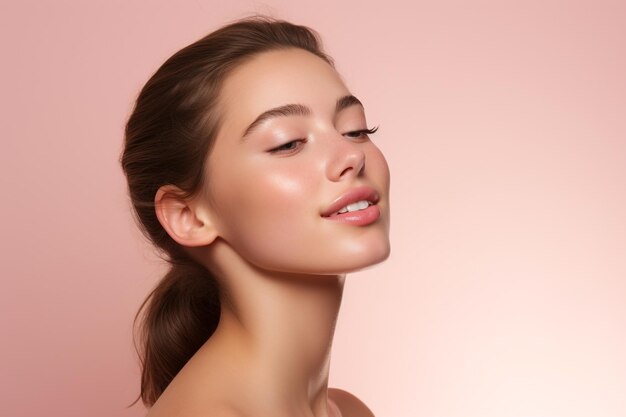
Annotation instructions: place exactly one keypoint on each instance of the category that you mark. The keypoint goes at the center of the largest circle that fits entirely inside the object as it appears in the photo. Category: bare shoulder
(349, 404)
(213, 412)
(192, 407)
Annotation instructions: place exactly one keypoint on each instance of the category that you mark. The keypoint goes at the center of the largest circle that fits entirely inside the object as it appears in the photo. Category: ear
(181, 220)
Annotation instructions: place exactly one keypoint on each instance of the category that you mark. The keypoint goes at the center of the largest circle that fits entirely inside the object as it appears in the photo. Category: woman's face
(270, 183)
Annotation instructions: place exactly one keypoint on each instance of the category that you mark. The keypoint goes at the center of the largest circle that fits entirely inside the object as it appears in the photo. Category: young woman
(250, 166)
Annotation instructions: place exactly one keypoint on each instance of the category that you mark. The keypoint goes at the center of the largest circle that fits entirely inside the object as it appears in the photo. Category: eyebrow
(298, 110)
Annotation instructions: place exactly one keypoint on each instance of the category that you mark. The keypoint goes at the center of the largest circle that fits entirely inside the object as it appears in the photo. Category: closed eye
(361, 133)
(290, 146)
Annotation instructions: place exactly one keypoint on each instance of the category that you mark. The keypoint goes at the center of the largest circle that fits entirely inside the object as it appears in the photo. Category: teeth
(359, 205)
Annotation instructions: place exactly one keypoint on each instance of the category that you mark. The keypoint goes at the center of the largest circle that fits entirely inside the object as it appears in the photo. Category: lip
(352, 196)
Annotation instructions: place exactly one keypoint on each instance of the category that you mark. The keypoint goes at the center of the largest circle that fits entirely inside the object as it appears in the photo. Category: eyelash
(359, 134)
(362, 132)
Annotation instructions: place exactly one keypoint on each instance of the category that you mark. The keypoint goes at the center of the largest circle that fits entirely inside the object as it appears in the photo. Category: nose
(347, 160)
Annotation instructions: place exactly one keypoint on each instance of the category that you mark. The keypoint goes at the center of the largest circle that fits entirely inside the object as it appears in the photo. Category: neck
(282, 325)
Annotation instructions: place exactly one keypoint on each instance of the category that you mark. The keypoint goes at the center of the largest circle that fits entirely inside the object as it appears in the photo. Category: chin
(321, 257)
(365, 257)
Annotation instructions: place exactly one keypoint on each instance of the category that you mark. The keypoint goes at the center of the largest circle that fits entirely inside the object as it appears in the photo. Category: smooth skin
(257, 226)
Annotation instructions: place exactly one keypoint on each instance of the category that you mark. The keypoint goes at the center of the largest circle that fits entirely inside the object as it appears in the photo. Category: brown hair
(168, 138)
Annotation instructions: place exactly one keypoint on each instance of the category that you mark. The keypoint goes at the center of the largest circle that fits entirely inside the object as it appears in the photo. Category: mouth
(359, 205)
(356, 206)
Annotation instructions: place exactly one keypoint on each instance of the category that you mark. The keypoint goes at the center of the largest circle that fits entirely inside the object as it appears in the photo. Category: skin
(281, 266)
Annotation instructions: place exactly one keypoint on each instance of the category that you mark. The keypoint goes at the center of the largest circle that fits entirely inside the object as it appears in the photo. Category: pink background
(505, 127)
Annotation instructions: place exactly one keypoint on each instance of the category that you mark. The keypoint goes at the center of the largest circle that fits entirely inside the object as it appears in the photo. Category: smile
(359, 205)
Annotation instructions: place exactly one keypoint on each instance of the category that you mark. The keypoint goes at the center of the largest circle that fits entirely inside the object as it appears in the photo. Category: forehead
(276, 78)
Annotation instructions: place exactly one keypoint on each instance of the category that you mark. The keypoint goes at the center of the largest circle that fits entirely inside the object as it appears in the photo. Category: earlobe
(180, 220)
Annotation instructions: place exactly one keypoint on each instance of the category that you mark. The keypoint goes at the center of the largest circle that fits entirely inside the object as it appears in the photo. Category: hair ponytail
(168, 138)
(178, 316)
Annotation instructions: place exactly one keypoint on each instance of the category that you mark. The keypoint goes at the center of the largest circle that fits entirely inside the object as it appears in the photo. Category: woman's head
(177, 117)
(188, 133)
(204, 169)
(292, 142)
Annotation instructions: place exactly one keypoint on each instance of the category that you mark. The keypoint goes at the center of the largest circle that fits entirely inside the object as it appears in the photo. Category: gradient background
(505, 127)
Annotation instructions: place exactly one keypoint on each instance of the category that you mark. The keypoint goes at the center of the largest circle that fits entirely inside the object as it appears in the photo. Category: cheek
(265, 210)
(273, 198)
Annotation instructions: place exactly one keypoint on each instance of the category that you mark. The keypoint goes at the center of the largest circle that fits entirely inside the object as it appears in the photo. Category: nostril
(345, 171)
(350, 169)
(349, 164)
